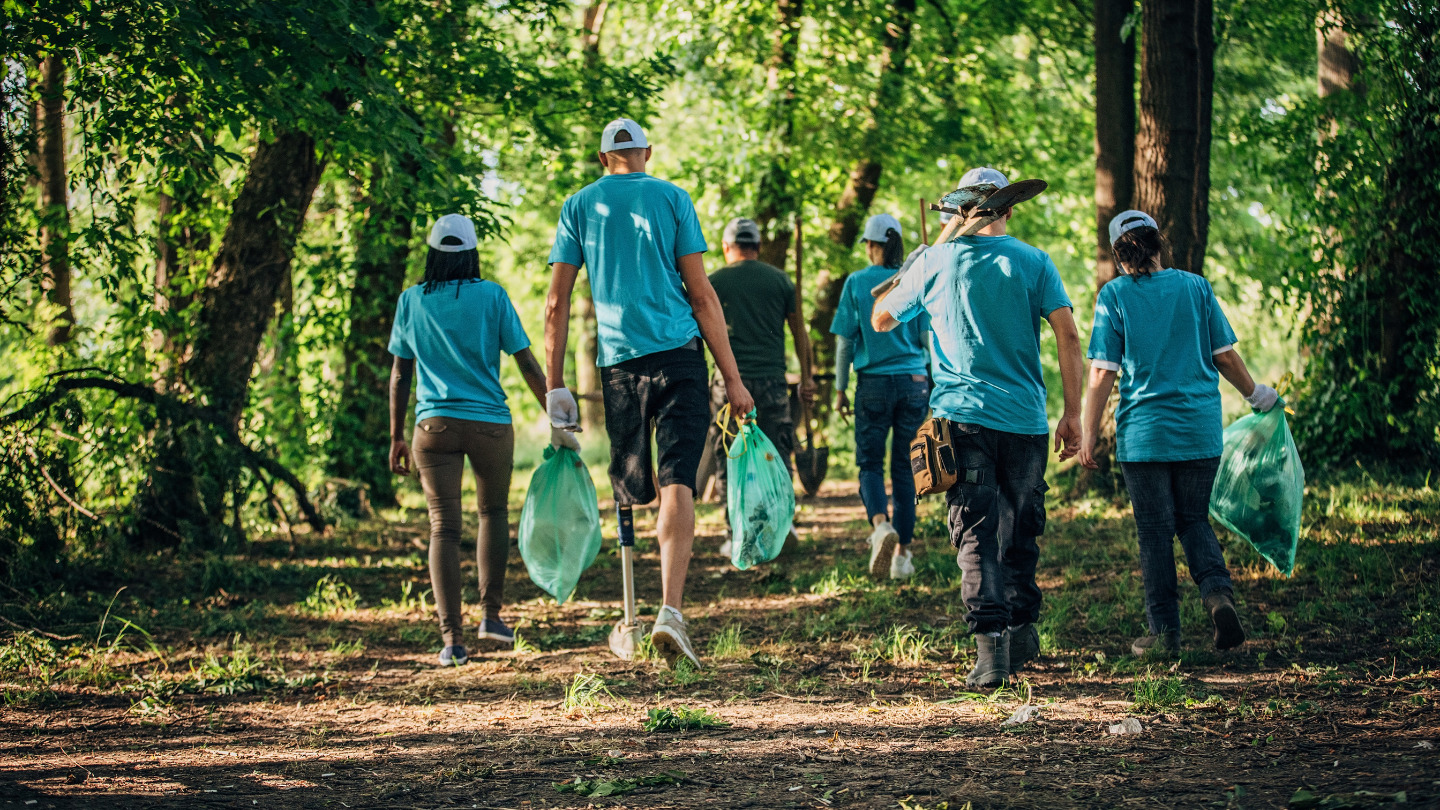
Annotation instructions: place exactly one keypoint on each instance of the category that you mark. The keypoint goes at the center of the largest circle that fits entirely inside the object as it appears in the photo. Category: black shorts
(668, 390)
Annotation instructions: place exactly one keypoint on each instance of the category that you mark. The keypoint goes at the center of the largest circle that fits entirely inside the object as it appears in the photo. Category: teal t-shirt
(899, 351)
(1163, 331)
(986, 297)
(628, 230)
(455, 335)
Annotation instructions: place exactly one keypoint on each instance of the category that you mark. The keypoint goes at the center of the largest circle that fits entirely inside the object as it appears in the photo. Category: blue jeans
(885, 403)
(1170, 498)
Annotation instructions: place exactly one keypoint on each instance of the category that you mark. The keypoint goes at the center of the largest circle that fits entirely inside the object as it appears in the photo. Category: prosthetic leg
(627, 634)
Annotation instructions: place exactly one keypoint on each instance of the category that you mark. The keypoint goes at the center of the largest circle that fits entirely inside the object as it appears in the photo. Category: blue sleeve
(846, 323)
(1107, 335)
(1219, 326)
(512, 335)
(907, 300)
(1052, 289)
(688, 236)
(569, 244)
(399, 330)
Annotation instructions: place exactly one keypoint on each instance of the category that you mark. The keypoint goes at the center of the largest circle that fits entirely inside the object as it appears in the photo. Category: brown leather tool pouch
(932, 458)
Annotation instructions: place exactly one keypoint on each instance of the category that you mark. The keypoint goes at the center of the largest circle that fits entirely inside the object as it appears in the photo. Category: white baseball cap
(637, 136)
(982, 175)
(876, 226)
(1126, 221)
(456, 225)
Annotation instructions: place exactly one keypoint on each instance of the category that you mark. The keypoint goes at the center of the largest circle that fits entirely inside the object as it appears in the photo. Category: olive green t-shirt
(757, 299)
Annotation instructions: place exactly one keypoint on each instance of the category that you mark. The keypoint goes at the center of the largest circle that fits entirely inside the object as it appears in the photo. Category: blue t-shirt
(455, 336)
(629, 229)
(1162, 331)
(900, 351)
(986, 296)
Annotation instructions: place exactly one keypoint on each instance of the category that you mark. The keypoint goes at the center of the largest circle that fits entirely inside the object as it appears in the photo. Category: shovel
(811, 462)
(628, 633)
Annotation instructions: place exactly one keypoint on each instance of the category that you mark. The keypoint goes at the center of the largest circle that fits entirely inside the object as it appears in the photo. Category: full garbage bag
(560, 523)
(1260, 487)
(759, 497)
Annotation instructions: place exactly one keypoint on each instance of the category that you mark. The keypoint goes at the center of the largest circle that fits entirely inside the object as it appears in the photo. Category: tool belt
(932, 458)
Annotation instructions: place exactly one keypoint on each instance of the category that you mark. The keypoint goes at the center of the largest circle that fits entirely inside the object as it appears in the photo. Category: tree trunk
(54, 197)
(1336, 63)
(362, 426)
(775, 200)
(587, 345)
(1172, 161)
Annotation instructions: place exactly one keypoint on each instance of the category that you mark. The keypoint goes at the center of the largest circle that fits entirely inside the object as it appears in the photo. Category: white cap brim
(637, 136)
(456, 225)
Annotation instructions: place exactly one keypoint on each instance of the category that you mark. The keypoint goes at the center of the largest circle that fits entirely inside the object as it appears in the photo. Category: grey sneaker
(1165, 644)
(1024, 646)
(453, 656)
(882, 548)
(670, 639)
(992, 661)
(1228, 632)
(494, 635)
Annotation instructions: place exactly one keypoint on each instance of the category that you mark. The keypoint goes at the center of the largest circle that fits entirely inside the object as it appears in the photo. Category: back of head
(884, 231)
(1137, 244)
(624, 143)
(454, 253)
(744, 236)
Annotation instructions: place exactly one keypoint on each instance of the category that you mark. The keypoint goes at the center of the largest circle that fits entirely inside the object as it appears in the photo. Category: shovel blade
(625, 639)
(811, 464)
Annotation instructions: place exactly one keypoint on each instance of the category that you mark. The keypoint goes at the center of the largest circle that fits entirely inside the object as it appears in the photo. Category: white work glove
(564, 411)
(1264, 398)
(564, 438)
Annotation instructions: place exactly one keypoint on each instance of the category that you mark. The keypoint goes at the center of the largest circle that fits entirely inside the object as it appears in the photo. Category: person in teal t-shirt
(892, 395)
(451, 328)
(1165, 331)
(640, 241)
(986, 295)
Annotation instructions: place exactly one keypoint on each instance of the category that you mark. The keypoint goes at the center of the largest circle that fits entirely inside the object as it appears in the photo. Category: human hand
(1068, 433)
(399, 457)
(559, 437)
(564, 411)
(1087, 452)
(1263, 398)
(741, 403)
(807, 391)
(842, 403)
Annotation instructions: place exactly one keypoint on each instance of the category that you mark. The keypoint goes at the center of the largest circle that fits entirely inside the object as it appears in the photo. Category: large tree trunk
(775, 199)
(1172, 162)
(54, 197)
(362, 424)
(587, 346)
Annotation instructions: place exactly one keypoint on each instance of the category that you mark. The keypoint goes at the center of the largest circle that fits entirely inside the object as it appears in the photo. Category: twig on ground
(37, 632)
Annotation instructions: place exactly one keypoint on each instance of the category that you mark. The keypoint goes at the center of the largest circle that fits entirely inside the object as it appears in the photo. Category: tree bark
(1172, 161)
(1336, 63)
(775, 199)
(54, 197)
(587, 346)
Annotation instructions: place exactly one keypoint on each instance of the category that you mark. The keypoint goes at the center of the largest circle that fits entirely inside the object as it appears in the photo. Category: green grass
(587, 693)
(1155, 693)
(728, 643)
(681, 718)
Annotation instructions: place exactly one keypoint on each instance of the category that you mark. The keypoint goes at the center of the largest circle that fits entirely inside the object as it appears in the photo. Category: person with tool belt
(640, 240)
(985, 295)
(759, 300)
(891, 396)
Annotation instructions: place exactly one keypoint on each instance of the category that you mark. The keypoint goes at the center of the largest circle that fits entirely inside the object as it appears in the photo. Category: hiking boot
(494, 635)
(992, 661)
(670, 639)
(1164, 644)
(1024, 646)
(1228, 632)
(453, 656)
(882, 546)
(902, 565)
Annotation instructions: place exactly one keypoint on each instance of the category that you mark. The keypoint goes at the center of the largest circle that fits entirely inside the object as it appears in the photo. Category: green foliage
(681, 718)
(1157, 692)
(586, 693)
(330, 597)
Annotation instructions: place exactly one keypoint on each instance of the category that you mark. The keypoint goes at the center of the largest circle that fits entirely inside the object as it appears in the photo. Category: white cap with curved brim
(456, 225)
(637, 136)
(876, 226)
(983, 175)
(1127, 221)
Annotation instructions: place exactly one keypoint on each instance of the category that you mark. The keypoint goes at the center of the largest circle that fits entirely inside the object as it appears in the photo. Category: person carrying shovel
(986, 294)
(640, 240)
(759, 300)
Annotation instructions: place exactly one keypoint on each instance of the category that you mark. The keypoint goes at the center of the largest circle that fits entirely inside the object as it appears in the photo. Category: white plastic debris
(1127, 726)
(1022, 715)
(1426, 745)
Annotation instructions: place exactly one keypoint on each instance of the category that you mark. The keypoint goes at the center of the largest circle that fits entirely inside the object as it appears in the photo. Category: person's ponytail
(894, 249)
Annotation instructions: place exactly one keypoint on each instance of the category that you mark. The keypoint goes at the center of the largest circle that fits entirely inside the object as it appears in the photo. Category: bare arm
(711, 318)
(1072, 373)
(557, 322)
(402, 373)
(533, 374)
(801, 332)
(880, 318)
(1232, 367)
(1096, 395)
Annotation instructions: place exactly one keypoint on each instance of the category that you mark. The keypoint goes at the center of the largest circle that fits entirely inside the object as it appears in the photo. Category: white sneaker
(725, 548)
(902, 565)
(882, 547)
(670, 639)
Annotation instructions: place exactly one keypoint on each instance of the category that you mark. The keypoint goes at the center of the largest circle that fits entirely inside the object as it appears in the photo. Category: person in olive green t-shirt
(759, 300)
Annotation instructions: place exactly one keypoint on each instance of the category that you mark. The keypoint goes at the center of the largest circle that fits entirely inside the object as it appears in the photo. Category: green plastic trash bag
(760, 498)
(560, 524)
(1260, 486)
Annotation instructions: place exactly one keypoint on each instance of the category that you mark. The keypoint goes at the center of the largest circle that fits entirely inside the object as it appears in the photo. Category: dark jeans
(886, 403)
(1170, 498)
(997, 510)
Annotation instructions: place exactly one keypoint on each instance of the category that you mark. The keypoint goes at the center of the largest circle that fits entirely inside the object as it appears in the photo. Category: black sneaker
(992, 661)
(1024, 646)
(1164, 644)
(1228, 632)
(494, 635)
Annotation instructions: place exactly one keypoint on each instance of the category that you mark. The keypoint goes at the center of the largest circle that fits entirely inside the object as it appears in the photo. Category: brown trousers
(440, 447)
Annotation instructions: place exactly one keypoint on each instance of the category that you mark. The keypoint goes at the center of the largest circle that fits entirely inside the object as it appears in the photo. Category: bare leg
(676, 528)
